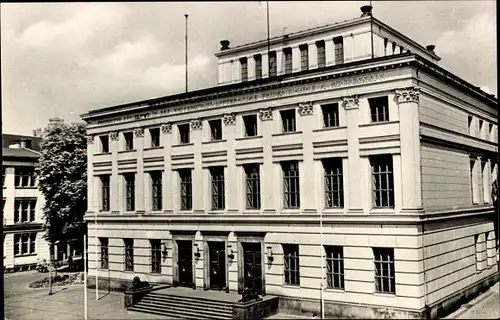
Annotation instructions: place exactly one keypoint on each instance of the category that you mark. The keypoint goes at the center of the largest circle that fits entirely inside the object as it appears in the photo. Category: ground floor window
(24, 243)
(291, 264)
(385, 280)
(155, 256)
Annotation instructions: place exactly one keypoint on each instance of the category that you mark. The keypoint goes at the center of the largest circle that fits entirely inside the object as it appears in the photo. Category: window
(130, 191)
(338, 44)
(330, 115)
(24, 210)
(216, 129)
(291, 189)
(258, 66)
(104, 253)
(320, 47)
(288, 60)
(186, 189)
(104, 143)
(383, 181)
(129, 140)
(481, 129)
(154, 133)
(334, 188)
(184, 133)
(379, 108)
(250, 125)
(291, 264)
(24, 243)
(385, 280)
(3, 176)
(386, 42)
(217, 188)
(288, 120)
(394, 48)
(129, 254)
(156, 190)
(472, 182)
(252, 186)
(244, 69)
(273, 68)
(490, 132)
(304, 57)
(335, 266)
(155, 256)
(105, 192)
(24, 177)
(484, 187)
(470, 125)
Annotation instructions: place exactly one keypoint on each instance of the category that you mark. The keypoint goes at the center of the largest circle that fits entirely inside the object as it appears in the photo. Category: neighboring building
(23, 242)
(223, 188)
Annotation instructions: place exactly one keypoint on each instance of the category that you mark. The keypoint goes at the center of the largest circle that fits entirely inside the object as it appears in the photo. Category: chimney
(34, 132)
(224, 44)
(39, 132)
(23, 143)
(366, 11)
(431, 48)
(55, 120)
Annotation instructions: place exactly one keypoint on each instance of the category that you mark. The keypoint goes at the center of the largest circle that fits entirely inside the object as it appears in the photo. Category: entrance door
(252, 268)
(217, 265)
(185, 262)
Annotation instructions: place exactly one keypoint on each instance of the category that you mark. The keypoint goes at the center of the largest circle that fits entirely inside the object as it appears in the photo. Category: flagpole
(268, 43)
(95, 255)
(322, 264)
(85, 275)
(186, 52)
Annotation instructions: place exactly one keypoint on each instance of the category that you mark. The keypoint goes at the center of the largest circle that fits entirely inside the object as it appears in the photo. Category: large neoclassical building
(342, 155)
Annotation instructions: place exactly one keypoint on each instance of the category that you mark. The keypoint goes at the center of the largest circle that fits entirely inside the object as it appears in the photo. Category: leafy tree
(62, 172)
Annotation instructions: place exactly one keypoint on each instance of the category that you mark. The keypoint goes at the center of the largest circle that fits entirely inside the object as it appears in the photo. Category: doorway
(185, 262)
(217, 258)
(252, 266)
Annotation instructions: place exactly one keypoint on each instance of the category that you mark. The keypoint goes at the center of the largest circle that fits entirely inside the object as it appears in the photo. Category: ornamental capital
(166, 127)
(90, 139)
(266, 114)
(351, 102)
(139, 132)
(409, 94)
(229, 119)
(196, 124)
(306, 108)
(113, 135)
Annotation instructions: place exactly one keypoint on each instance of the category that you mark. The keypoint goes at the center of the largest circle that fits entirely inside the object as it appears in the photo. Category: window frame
(244, 69)
(104, 248)
(304, 57)
(338, 48)
(321, 53)
(379, 161)
(273, 64)
(24, 177)
(129, 191)
(155, 255)
(291, 180)
(334, 256)
(379, 111)
(128, 138)
(247, 123)
(104, 142)
(291, 264)
(128, 245)
(186, 189)
(217, 184)
(331, 115)
(252, 186)
(156, 190)
(105, 192)
(258, 66)
(384, 283)
(288, 120)
(154, 135)
(184, 133)
(215, 129)
(333, 177)
(288, 53)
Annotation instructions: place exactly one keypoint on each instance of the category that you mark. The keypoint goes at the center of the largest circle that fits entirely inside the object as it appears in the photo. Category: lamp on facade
(230, 253)
(196, 250)
(164, 250)
(269, 254)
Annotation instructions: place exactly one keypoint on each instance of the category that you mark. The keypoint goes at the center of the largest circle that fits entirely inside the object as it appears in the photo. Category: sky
(64, 59)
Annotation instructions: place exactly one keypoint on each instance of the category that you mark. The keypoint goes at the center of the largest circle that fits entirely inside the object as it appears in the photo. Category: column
(8, 250)
(168, 176)
(313, 55)
(114, 185)
(9, 192)
(90, 173)
(221, 72)
(476, 167)
(329, 52)
(296, 59)
(348, 48)
(231, 176)
(197, 177)
(407, 99)
(486, 183)
(265, 65)
(280, 62)
(251, 68)
(306, 167)
(351, 105)
(236, 73)
(228, 72)
(266, 127)
(139, 177)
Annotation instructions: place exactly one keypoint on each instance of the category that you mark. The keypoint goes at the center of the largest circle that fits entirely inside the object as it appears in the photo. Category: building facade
(23, 242)
(319, 161)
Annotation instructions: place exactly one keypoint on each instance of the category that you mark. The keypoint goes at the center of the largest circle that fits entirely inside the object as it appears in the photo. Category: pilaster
(280, 62)
(90, 173)
(265, 65)
(8, 250)
(231, 177)
(139, 183)
(313, 55)
(235, 71)
(168, 175)
(197, 177)
(113, 181)
(407, 99)
(251, 68)
(329, 52)
(296, 59)
(352, 105)
(220, 68)
(307, 187)
(267, 180)
(9, 194)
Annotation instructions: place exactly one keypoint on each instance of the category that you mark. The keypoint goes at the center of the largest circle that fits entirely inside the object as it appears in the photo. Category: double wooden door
(185, 262)
(217, 267)
(252, 266)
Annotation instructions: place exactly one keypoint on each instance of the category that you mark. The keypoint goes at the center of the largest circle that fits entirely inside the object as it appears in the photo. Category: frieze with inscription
(246, 98)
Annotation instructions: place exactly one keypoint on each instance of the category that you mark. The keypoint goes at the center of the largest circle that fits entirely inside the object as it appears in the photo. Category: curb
(470, 304)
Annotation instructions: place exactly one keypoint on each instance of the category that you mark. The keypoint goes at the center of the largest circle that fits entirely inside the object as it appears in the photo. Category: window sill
(128, 271)
(339, 290)
(25, 255)
(214, 141)
(290, 211)
(125, 151)
(248, 138)
(216, 211)
(385, 294)
(333, 210)
(286, 133)
(252, 211)
(156, 211)
(183, 144)
(102, 269)
(190, 211)
(31, 188)
(329, 128)
(153, 148)
(291, 286)
(377, 123)
(102, 153)
(382, 210)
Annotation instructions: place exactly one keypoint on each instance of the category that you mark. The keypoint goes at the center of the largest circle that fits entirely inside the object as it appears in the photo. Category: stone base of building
(337, 310)
(109, 284)
(19, 268)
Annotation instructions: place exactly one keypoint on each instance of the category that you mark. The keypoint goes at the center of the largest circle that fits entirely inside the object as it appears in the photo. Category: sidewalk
(67, 303)
(485, 306)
